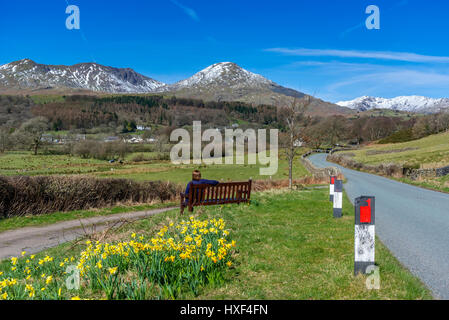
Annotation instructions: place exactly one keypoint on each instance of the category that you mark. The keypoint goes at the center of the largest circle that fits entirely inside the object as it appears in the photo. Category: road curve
(412, 222)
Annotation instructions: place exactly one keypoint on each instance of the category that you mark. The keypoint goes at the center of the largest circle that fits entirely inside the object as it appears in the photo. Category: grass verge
(288, 247)
(47, 219)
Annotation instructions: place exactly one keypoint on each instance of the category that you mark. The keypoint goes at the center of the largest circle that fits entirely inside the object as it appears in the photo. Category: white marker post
(331, 188)
(338, 198)
(364, 238)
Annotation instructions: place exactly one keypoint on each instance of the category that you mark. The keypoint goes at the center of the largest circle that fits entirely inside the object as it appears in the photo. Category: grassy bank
(47, 219)
(429, 152)
(288, 246)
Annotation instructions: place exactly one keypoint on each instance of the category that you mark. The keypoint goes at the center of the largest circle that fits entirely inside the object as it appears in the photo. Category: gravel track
(35, 239)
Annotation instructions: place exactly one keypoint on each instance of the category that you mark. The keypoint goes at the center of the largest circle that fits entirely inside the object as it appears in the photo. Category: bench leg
(191, 209)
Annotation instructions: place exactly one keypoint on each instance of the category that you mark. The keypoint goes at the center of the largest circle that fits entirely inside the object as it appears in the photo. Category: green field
(25, 163)
(429, 152)
(288, 247)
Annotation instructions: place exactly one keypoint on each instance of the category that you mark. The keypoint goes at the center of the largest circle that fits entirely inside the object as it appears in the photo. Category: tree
(292, 115)
(87, 149)
(357, 129)
(5, 139)
(161, 143)
(335, 129)
(31, 132)
(129, 126)
(315, 133)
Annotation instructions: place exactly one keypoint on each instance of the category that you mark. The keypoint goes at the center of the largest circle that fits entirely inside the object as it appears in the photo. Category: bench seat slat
(223, 193)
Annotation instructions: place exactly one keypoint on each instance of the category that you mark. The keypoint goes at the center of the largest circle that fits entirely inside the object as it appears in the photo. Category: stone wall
(442, 171)
(319, 173)
(415, 174)
(389, 169)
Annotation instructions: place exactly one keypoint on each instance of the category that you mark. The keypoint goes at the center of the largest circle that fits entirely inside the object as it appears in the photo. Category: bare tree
(315, 133)
(335, 126)
(292, 115)
(5, 139)
(32, 131)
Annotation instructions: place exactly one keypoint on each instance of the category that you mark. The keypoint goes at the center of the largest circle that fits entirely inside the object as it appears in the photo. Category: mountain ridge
(224, 81)
(27, 74)
(416, 104)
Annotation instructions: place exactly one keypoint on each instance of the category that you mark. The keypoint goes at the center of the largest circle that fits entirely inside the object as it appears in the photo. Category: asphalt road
(412, 222)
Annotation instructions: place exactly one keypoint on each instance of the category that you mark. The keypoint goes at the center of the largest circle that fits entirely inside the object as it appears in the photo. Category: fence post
(338, 198)
(364, 236)
(331, 188)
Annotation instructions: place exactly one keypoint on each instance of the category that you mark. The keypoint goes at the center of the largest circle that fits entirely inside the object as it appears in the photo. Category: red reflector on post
(365, 213)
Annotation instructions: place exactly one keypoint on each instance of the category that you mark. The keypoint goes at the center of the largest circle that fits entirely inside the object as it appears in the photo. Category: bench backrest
(225, 192)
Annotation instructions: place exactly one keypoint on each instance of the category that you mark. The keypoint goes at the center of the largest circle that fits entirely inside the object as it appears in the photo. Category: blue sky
(318, 47)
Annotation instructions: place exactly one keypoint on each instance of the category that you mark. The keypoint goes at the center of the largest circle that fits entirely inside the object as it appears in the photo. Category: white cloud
(339, 80)
(382, 55)
(189, 11)
(409, 78)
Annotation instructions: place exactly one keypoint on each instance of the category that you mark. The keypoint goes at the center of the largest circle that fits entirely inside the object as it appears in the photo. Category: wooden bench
(222, 193)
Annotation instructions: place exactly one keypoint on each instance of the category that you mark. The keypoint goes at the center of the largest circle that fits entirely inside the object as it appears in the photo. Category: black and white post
(338, 198)
(331, 188)
(364, 238)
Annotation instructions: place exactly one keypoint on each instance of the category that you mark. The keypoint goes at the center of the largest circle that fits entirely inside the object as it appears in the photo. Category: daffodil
(113, 270)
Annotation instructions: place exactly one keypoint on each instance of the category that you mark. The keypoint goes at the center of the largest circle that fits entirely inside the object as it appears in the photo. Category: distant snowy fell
(416, 104)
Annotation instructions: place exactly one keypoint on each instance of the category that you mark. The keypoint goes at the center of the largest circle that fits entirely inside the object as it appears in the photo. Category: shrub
(85, 148)
(22, 195)
(399, 136)
(101, 150)
(140, 158)
(162, 156)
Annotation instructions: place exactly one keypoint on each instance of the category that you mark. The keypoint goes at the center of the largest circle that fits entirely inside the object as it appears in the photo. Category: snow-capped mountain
(27, 74)
(228, 81)
(416, 104)
(224, 73)
(225, 81)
